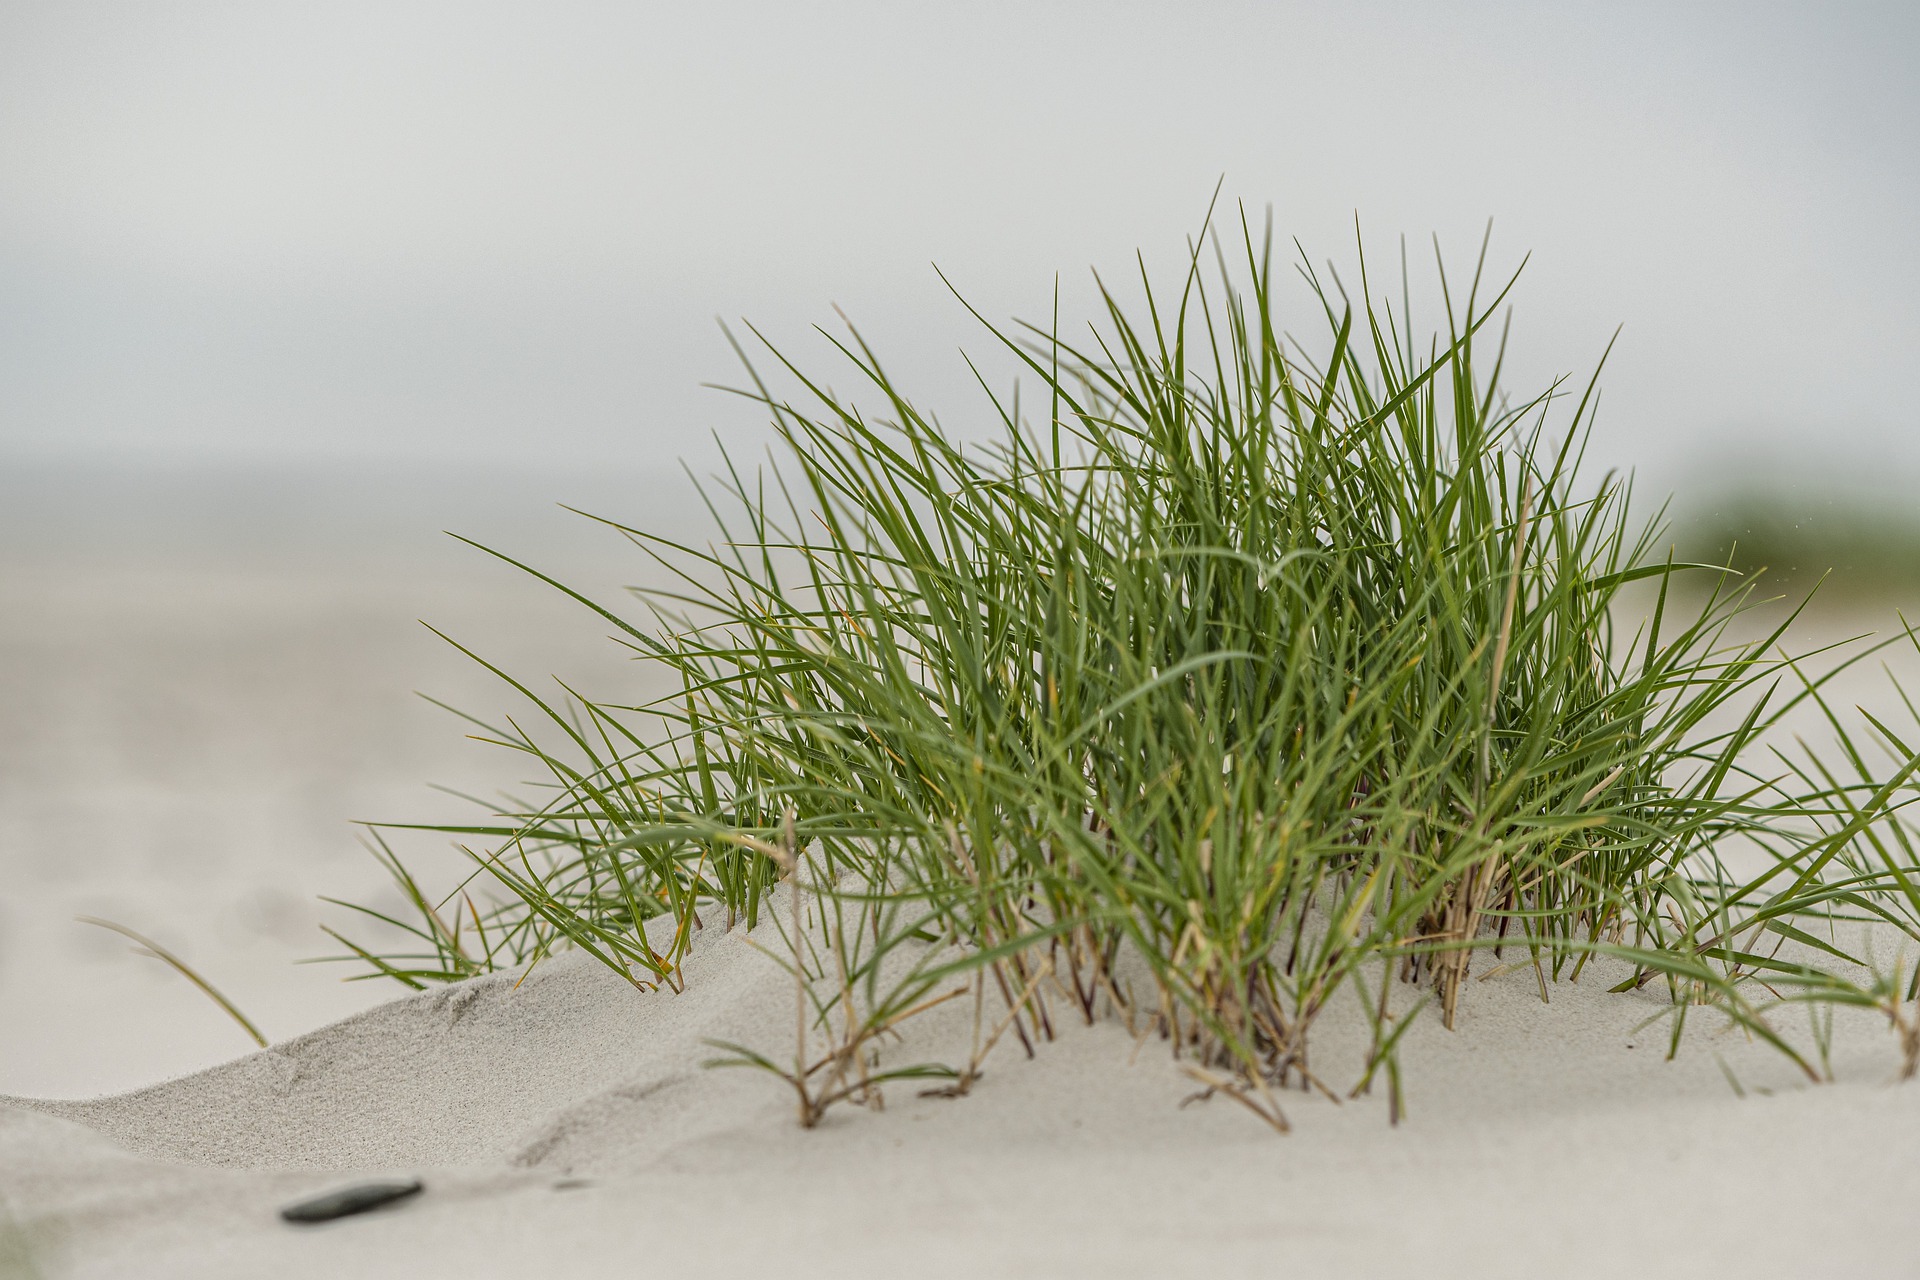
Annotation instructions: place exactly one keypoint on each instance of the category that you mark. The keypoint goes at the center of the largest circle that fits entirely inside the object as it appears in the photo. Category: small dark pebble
(348, 1201)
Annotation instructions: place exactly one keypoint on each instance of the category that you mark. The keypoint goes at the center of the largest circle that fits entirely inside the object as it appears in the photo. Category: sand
(567, 1124)
(203, 682)
(189, 731)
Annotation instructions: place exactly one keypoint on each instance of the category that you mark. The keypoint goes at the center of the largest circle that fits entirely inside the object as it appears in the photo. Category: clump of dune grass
(1293, 673)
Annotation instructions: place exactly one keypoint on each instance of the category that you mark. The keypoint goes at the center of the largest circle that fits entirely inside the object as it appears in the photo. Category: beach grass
(143, 945)
(1290, 672)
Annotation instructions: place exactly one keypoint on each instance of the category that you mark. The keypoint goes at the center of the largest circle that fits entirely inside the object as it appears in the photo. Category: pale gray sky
(502, 232)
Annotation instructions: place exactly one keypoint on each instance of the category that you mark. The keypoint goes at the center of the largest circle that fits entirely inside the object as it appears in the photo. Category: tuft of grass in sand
(1292, 672)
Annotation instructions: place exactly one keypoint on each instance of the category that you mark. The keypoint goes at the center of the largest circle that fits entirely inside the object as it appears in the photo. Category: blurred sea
(206, 674)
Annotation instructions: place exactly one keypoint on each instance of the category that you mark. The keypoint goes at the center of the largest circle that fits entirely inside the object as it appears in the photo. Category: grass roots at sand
(1293, 676)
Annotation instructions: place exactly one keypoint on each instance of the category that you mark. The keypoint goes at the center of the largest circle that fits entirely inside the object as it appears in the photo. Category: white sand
(191, 717)
(185, 740)
(1543, 1140)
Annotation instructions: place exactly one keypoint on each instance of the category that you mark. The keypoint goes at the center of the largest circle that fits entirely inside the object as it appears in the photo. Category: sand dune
(566, 1124)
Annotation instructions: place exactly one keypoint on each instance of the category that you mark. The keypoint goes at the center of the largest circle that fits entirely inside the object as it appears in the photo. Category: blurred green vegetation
(1858, 540)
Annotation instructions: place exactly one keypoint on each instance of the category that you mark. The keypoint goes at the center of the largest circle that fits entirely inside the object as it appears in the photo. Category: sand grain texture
(567, 1125)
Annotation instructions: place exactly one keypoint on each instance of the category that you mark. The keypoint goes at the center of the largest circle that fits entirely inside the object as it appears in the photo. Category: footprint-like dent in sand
(552, 1144)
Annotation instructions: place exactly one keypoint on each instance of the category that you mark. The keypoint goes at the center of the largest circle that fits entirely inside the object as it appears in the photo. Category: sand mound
(567, 1123)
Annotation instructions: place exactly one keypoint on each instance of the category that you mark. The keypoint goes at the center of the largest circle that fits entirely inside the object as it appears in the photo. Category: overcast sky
(503, 232)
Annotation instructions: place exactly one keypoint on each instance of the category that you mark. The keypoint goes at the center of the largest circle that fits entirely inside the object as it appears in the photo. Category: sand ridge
(566, 1123)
